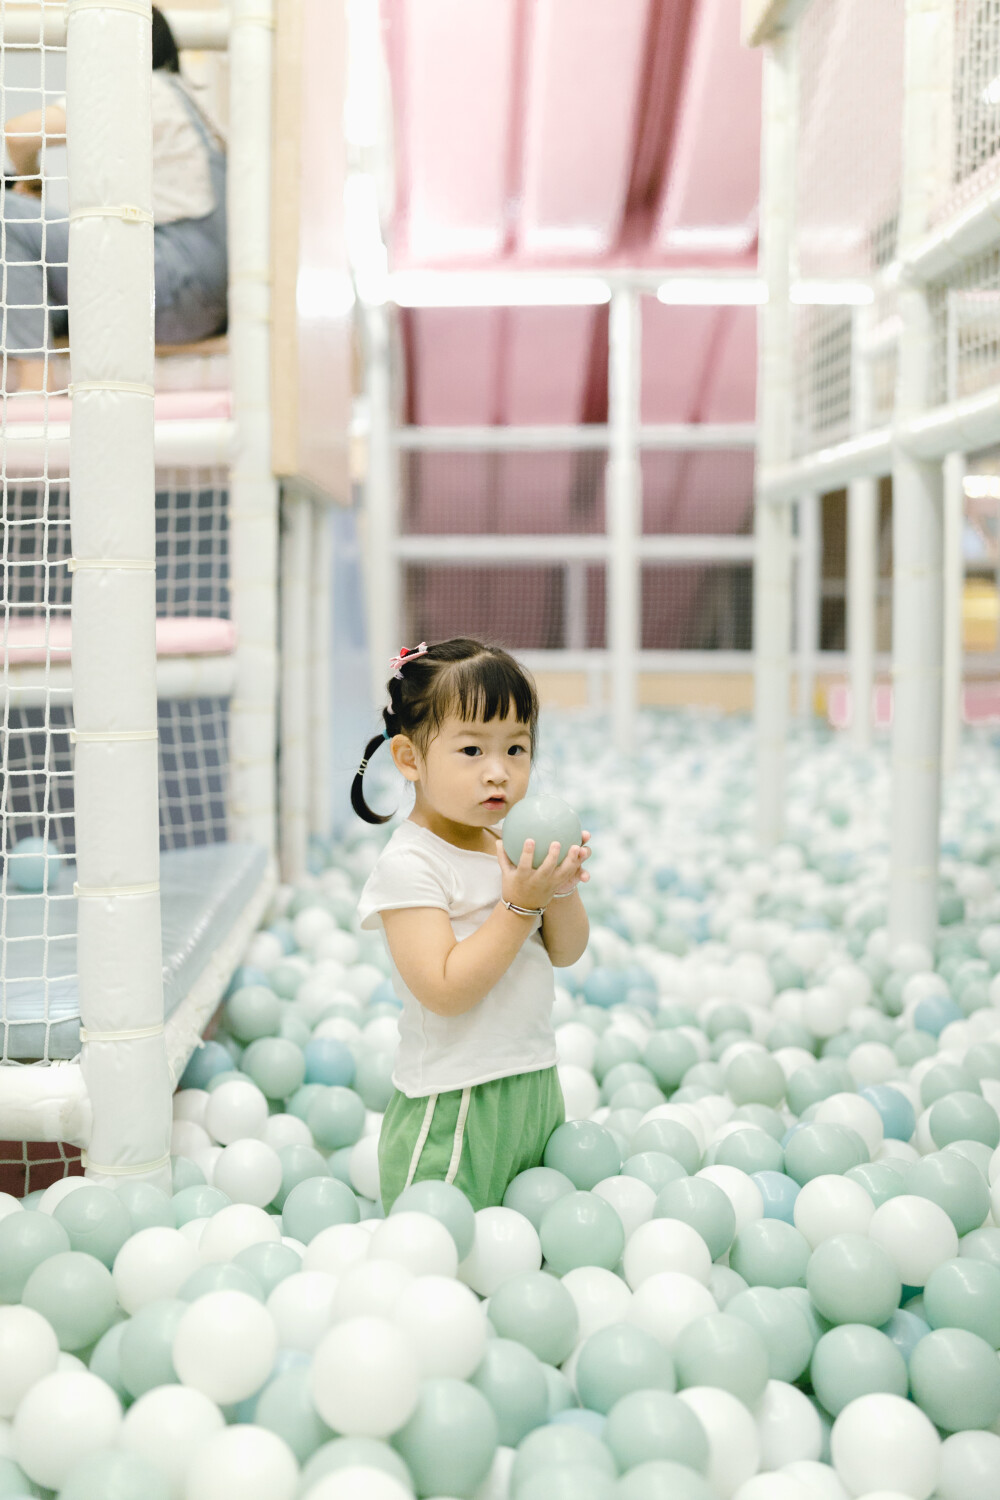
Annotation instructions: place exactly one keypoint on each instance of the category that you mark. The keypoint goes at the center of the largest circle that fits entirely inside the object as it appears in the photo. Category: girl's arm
(565, 931)
(448, 976)
(24, 136)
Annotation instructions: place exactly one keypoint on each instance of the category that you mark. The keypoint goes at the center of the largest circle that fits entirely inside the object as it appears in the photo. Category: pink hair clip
(406, 654)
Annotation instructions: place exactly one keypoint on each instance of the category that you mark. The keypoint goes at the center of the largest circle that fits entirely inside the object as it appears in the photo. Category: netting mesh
(503, 493)
(974, 164)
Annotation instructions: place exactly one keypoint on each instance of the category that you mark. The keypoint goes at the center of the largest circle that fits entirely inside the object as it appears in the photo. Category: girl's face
(471, 774)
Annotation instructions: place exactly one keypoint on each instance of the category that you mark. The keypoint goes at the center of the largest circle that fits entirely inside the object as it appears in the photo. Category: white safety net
(974, 165)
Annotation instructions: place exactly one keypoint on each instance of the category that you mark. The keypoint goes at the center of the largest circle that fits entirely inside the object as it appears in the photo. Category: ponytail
(358, 784)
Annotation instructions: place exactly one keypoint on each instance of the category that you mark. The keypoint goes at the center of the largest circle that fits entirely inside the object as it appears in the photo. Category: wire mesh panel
(697, 493)
(966, 313)
(697, 607)
(846, 203)
(468, 493)
(192, 542)
(974, 165)
(544, 607)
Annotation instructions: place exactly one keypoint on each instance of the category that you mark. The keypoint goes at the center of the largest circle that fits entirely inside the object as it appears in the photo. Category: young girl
(472, 937)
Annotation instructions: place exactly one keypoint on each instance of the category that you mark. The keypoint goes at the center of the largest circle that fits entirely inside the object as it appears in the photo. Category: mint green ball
(559, 1443)
(618, 1359)
(268, 1263)
(225, 1276)
(446, 1203)
(353, 1452)
(336, 1117)
(761, 1117)
(570, 1481)
(750, 1150)
(955, 1184)
(253, 1012)
(14, 1481)
(704, 1206)
(955, 1379)
(782, 1324)
(148, 1207)
(298, 1164)
(536, 1310)
(981, 1244)
(545, 819)
(198, 1202)
(115, 1476)
(946, 1078)
(663, 1480)
(513, 1381)
(851, 1279)
(449, 1442)
(723, 1351)
(612, 1049)
(76, 1294)
(581, 1230)
(880, 1180)
(145, 1353)
(105, 1361)
(373, 1079)
(965, 1293)
(855, 1360)
(298, 1104)
(584, 1152)
(562, 1396)
(26, 1241)
(316, 1204)
(185, 1174)
(755, 1078)
(976, 1152)
(647, 1425)
(769, 1252)
(963, 1116)
(672, 1139)
(817, 1150)
(533, 1192)
(668, 1056)
(276, 1066)
(285, 1406)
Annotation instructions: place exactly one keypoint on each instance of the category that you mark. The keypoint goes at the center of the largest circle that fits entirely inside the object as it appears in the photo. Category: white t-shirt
(510, 1030)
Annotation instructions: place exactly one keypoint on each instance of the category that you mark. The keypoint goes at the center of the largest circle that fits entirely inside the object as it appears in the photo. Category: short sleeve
(403, 878)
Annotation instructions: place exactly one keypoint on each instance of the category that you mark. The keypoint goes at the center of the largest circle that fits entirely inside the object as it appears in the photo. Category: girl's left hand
(577, 854)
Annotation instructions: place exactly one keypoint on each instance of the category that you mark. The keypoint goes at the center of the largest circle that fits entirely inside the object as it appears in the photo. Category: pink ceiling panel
(710, 203)
(455, 116)
(584, 68)
(546, 363)
(730, 392)
(454, 360)
(678, 346)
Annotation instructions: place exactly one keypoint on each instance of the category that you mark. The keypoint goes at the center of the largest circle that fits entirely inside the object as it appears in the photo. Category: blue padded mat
(202, 892)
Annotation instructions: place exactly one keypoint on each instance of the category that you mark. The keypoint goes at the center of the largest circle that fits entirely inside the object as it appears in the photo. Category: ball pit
(760, 1261)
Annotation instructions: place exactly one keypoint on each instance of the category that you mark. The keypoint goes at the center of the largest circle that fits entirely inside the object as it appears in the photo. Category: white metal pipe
(808, 580)
(383, 574)
(296, 544)
(866, 456)
(624, 514)
(253, 494)
(682, 436)
(954, 585)
(123, 1056)
(30, 686)
(34, 448)
(917, 511)
(575, 606)
(320, 669)
(972, 231)
(772, 523)
(862, 585)
(450, 549)
(35, 25)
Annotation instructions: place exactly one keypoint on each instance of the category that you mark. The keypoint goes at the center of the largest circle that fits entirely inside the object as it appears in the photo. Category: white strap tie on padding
(149, 889)
(136, 564)
(255, 18)
(128, 387)
(127, 211)
(101, 736)
(145, 1166)
(137, 1035)
(135, 7)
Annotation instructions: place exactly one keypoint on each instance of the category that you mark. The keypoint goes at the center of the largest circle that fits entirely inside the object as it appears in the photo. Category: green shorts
(479, 1138)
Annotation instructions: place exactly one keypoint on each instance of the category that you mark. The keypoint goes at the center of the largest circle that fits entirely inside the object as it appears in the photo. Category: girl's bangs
(487, 687)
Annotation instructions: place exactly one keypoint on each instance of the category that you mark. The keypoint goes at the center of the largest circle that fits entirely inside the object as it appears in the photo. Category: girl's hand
(525, 886)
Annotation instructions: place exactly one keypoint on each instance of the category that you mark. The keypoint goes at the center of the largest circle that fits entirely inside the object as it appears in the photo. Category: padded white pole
(123, 1060)
(772, 522)
(383, 573)
(917, 511)
(954, 588)
(623, 491)
(296, 539)
(808, 582)
(862, 586)
(320, 669)
(253, 492)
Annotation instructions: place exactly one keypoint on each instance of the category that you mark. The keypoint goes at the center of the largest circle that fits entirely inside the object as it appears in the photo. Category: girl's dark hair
(165, 54)
(468, 678)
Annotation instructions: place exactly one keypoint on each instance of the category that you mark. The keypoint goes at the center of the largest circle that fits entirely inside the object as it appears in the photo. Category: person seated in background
(189, 214)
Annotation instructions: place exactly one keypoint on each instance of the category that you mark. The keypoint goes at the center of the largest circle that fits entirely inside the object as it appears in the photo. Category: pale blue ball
(546, 820)
(33, 865)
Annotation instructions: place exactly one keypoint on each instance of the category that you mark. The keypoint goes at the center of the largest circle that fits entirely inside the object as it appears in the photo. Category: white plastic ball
(266, 950)
(191, 1104)
(577, 1044)
(916, 1233)
(152, 1265)
(666, 1245)
(285, 1130)
(235, 1228)
(365, 1378)
(357, 1482)
(665, 1303)
(167, 1426)
(363, 1167)
(57, 1191)
(446, 1325)
(886, 1442)
(788, 1426)
(871, 1063)
(580, 1091)
(830, 1205)
(822, 1481)
(372, 1288)
(225, 1345)
(302, 1308)
(733, 1443)
(311, 925)
(63, 1418)
(29, 1350)
(235, 1110)
(631, 1199)
(771, 1486)
(248, 1172)
(824, 1010)
(417, 1241)
(970, 1466)
(505, 1245)
(742, 1192)
(242, 1462)
(601, 1298)
(336, 1249)
(857, 1114)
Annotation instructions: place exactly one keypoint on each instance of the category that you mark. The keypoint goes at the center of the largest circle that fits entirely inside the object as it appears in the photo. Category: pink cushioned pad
(980, 704)
(175, 636)
(169, 406)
